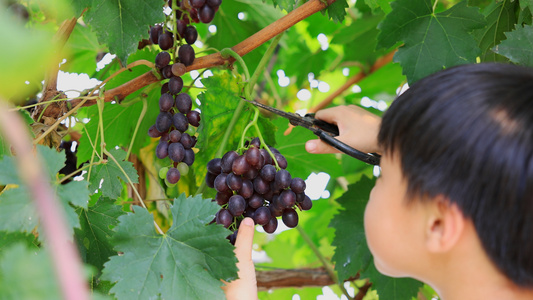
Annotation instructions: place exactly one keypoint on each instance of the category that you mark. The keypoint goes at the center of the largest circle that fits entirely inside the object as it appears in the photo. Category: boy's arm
(357, 127)
(244, 288)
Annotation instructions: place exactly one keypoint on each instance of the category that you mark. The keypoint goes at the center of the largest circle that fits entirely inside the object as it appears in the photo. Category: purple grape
(174, 136)
(251, 173)
(234, 182)
(176, 152)
(189, 157)
(166, 101)
(194, 118)
(223, 197)
(162, 59)
(173, 175)
(307, 203)
(268, 173)
(287, 198)
(236, 205)
(155, 31)
(175, 84)
(297, 185)
(164, 137)
(165, 40)
(214, 165)
(283, 179)
(190, 32)
(186, 140)
(290, 217)
(266, 156)
(181, 25)
(184, 103)
(262, 215)
(300, 197)
(206, 14)
(255, 201)
(247, 189)
(153, 132)
(180, 122)
(240, 165)
(261, 186)
(271, 226)
(282, 162)
(167, 72)
(255, 142)
(249, 212)
(161, 151)
(253, 156)
(164, 88)
(220, 183)
(186, 54)
(224, 218)
(210, 180)
(227, 161)
(163, 121)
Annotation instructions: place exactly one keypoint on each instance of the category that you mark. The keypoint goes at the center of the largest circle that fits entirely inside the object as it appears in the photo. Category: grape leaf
(9, 238)
(189, 260)
(26, 274)
(111, 174)
(83, 46)
(337, 10)
(95, 231)
(518, 46)
(300, 162)
(432, 41)
(287, 5)
(122, 24)
(17, 209)
(352, 254)
(389, 287)
(501, 18)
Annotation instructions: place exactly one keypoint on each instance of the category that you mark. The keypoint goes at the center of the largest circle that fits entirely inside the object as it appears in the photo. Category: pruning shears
(324, 130)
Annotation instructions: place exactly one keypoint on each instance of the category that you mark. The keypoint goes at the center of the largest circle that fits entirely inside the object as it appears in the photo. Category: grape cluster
(251, 185)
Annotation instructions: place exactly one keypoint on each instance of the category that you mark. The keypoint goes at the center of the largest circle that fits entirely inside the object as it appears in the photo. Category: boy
(453, 206)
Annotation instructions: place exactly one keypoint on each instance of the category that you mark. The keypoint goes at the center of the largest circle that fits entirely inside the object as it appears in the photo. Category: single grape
(153, 132)
(173, 175)
(234, 182)
(251, 173)
(268, 173)
(161, 151)
(206, 14)
(214, 3)
(227, 161)
(174, 136)
(260, 185)
(189, 157)
(183, 168)
(290, 217)
(180, 122)
(282, 162)
(307, 203)
(183, 103)
(247, 189)
(255, 142)
(249, 212)
(197, 3)
(194, 15)
(175, 84)
(164, 137)
(297, 185)
(287, 198)
(214, 165)
(283, 179)
(271, 226)
(240, 165)
(186, 54)
(162, 59)
(164, 88)
(232, 238)
(224, 218)
(194, 118)
(176, 152)
(300, 197)
(167, 72)
(269, 195)
(220, 183)
(223, 197)
(178, 69)
(186, 140)
(262, 215)
(190, 32)
(165, 40)
(236, 205)
(163, 121)
(155, 31)
(163, 172)
(255, 201)
(210, 180)
(266, 156)
(253, 156)
(181, 25)
(166, 101)
(274, 150)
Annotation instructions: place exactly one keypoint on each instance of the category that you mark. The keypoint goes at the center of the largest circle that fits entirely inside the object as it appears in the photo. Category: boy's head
(466, 134)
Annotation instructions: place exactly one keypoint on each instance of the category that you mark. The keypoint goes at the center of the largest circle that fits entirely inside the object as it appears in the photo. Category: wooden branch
(212, 60)
(283, 278)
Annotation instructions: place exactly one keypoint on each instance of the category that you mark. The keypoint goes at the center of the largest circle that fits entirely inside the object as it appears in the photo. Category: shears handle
(365, 157)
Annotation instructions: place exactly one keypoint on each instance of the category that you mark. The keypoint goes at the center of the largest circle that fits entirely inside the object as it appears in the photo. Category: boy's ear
(445, 224)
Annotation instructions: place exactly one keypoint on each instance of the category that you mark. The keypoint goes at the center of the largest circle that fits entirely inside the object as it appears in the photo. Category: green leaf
(392, 288)
(337, 10)
(111, 174)
(122, 24)
(94, 235)
(300, 162)
(189, 260)
(501, 18)
(432, 41)
(352, 254)
(9, 238)
(27, 274)
(518, 46)
(83, 48)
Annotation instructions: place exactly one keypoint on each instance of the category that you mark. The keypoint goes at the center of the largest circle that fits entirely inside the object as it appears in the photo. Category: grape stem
(139, 120)
(227, 53)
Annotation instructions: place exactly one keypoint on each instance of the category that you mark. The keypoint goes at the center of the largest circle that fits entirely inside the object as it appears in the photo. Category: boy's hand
(357, 128)
(244, 288)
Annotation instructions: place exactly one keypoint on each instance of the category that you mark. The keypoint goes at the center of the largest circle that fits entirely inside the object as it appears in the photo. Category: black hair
(467, 133)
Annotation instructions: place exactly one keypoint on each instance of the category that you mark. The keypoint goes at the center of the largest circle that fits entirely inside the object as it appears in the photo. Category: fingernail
(310, 146)
(248, 222)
